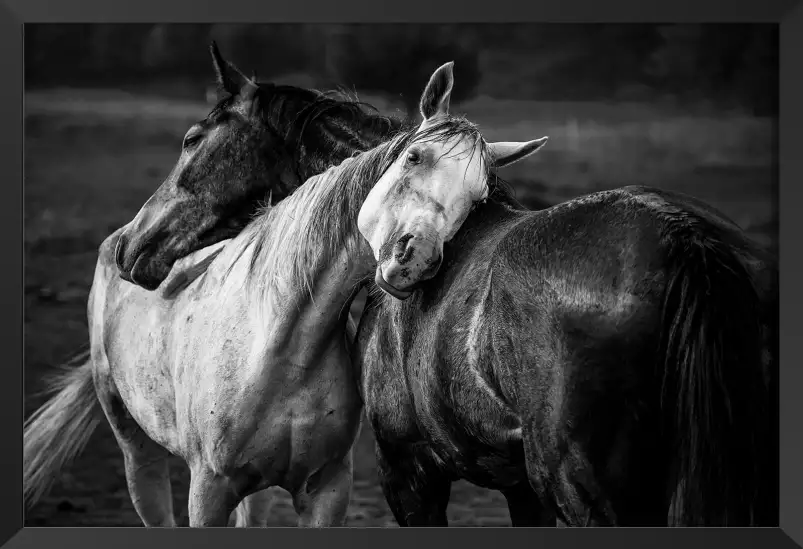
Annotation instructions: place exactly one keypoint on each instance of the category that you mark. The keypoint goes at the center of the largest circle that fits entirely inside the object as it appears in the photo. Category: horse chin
(401, 295)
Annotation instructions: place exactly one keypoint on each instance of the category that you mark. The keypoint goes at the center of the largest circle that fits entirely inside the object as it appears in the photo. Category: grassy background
(93, 157)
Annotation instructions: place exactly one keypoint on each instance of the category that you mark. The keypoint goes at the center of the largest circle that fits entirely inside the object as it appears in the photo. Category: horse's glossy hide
(545, 321)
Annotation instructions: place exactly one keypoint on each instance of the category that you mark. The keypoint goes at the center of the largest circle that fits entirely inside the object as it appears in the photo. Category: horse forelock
(446, 128)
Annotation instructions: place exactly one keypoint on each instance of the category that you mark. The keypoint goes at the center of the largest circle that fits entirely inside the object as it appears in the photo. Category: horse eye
(192, 140)
(413, 157)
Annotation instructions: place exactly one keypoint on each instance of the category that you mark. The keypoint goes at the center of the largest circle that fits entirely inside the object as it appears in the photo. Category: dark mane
(319, 128)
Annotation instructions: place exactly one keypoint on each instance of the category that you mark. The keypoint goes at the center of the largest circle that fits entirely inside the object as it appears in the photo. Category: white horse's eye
(413, 157)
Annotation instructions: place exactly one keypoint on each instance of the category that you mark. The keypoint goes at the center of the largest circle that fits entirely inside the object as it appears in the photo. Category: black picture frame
(15, 13)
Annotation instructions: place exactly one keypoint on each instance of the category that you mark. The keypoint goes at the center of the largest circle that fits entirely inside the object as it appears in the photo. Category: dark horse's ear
(505, 153)
(435, 99)
(229, 78)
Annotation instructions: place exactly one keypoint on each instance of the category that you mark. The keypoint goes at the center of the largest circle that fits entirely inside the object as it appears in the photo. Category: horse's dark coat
(620, 332)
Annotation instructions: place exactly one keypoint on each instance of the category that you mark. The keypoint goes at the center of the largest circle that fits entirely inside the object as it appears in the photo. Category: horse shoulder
(474, 357)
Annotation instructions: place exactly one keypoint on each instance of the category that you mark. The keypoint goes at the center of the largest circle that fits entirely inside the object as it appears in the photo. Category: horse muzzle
(412, 261)
(138, 264)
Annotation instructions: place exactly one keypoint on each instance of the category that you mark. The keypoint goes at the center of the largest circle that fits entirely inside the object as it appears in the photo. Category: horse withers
(589, 360)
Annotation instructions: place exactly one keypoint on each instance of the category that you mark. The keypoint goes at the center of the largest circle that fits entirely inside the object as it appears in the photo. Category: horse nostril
(433, 265)
(402, 252)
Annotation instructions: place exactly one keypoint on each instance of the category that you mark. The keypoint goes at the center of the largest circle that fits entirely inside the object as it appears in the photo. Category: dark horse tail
(715, 398)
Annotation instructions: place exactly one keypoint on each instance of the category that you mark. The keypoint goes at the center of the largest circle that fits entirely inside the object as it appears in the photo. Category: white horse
(192, 370)
(250, 394)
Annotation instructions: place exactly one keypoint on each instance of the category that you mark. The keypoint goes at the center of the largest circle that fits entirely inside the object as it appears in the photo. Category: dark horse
(604, 354)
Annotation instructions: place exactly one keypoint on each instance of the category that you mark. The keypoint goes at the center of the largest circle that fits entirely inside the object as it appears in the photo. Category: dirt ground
(85, 179)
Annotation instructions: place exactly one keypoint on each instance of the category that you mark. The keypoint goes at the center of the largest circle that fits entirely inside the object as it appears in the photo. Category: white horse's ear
(505, 153)
(435, 98)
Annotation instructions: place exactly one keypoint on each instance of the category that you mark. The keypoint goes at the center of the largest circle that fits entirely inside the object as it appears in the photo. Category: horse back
(617, 241)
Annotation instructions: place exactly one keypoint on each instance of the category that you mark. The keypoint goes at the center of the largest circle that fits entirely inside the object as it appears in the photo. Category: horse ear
(222, 71)
(229, 78)
(507, 152)
(435, 98)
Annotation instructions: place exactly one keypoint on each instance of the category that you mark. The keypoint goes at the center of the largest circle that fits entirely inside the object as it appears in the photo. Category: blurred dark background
(727, 66)
(687, 107)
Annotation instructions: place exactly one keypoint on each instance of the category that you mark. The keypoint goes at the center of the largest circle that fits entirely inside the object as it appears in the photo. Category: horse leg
(147, 470)
(525, 507)
(323, 500)
(416, 490)
(565, 478)
(213, 497)
(254, 510)
(640, 497)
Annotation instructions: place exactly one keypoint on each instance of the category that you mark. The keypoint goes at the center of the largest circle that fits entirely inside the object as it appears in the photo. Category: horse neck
(305, 321)
(306, 326)
(324, 313)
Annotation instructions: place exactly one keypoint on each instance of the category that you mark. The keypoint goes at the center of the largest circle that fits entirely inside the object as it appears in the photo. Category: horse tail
(714, 394)
(58, 431)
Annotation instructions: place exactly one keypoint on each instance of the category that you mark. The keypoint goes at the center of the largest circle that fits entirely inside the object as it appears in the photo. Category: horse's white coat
(267, 396)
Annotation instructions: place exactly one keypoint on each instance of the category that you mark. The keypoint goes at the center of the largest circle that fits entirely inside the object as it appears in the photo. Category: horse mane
(342, 124)
(293, 240)
(336, 121)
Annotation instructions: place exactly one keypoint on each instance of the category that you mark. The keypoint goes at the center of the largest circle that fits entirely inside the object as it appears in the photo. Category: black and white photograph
(401, 274)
